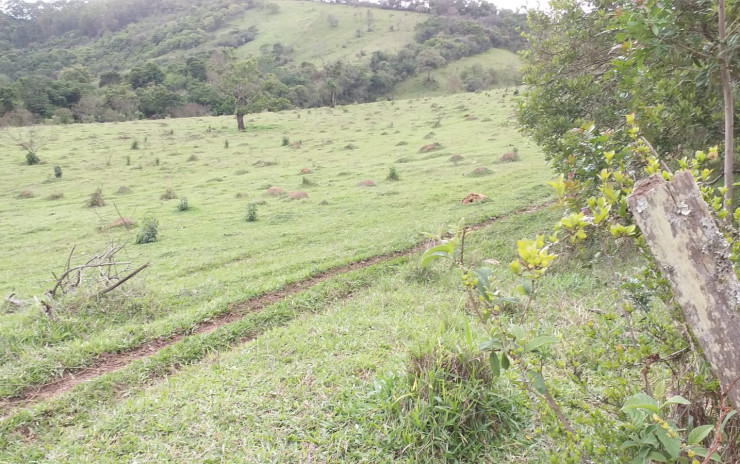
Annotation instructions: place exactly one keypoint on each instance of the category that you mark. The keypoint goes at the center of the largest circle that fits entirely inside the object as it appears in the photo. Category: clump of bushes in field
(393, 175)
(148, 231)
(96, 199)
(58, 172)
(183, 205)
(168, 194)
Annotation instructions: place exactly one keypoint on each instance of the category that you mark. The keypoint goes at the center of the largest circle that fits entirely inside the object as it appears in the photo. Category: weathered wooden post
(694, 255)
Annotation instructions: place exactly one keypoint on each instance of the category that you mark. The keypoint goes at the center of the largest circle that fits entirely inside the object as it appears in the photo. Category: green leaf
(495, 367)
(657, 456)
(672, 445)
(538, 382)
(699, 433)
(505, 363)
(678, 399)
(444, 250)
(701, 451)
(641, 401)
(494, 344)
(539, 342)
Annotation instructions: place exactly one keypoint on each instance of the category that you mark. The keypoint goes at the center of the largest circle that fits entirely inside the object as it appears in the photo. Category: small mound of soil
(456, 158)
(275, 191)
(350, 146)
(25, 194)
(298, 195)
(473, 198)
(122, 222)
(263, 163)
(480, 171)
(430, 147)
(509, 157)
(306, 171)
(123, 190)
(366, 183)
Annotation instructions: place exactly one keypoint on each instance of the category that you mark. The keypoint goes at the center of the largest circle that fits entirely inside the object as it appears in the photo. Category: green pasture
(209, 256)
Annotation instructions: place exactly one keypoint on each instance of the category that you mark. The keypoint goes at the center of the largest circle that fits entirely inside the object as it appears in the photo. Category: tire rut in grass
(109, 362)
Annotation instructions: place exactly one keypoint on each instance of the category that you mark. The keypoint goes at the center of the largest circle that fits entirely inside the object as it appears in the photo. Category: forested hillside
(75, 61)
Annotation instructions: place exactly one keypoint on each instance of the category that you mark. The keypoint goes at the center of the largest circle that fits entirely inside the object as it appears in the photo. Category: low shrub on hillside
(96, 199)
(148, 231)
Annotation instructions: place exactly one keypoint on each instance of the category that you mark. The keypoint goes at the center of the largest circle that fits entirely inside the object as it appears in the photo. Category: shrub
(183, 205)
(192, 158)
(135, 145)
(168, 194)
(252, 212)
(286, 141)
(456, 159)
(58, 172)
(306, 182)
(32, 158)
(156, 161)
(147, 232)
(392, 175)
(226, 144)
(96, 199)
(128, 160)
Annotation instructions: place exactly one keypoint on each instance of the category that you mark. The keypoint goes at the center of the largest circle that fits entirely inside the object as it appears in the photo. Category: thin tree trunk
(240, 122)
(729, 103)
(695, 257)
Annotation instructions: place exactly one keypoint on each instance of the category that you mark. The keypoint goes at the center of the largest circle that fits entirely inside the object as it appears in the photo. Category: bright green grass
(308, 390)
(209, 256)
(506, 63)
(304, 26)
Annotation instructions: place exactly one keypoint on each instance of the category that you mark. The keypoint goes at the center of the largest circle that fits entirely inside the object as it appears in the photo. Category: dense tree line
(660, 60)
(212, 82)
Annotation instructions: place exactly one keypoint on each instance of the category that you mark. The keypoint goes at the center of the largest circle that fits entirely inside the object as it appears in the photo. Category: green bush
(148, 231)
(183, 205)
(286, 141)
(135, 145)
(392, 175)
(58, 172)
(32, 158)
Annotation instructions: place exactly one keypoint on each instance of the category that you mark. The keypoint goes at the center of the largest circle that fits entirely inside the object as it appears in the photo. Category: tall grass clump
(148, 231)
(392, 175)
(96, 199)
(446, 406)
(58, 172)
(251, 212)
(183, 205)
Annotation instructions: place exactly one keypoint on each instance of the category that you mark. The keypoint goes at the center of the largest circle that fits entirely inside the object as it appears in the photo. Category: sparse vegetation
(96, 199)
(392, 174)
(58, 172)
(183, 204)
(168, 194)
(251, 212)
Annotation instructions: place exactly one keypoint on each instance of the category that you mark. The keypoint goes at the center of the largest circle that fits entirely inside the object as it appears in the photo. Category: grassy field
(208, 256)
(326, 386)
(504, 62)
(305, 27)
